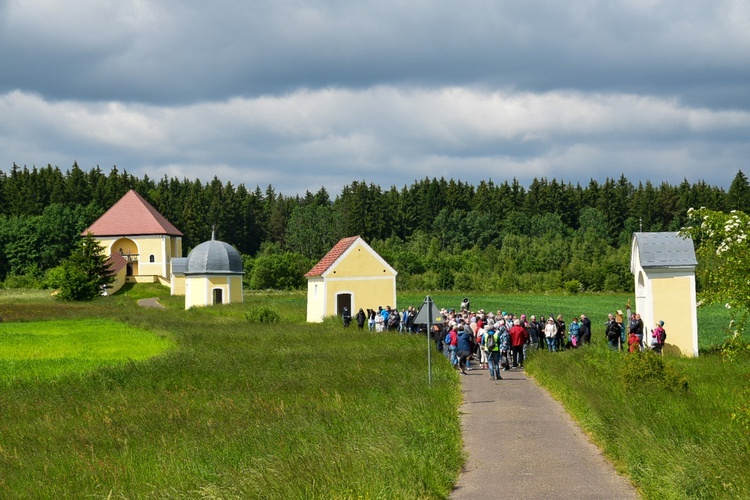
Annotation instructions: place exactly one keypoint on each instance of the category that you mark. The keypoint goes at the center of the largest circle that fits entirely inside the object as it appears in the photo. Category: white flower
(727, 305)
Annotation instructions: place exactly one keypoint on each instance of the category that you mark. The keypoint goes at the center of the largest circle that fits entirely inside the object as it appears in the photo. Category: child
(573, 331)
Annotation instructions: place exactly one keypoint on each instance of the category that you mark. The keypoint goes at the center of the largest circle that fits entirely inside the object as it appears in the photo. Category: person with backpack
(613, 330)
(503, 340)
(659, 335)
(464, 348)
(493, 351)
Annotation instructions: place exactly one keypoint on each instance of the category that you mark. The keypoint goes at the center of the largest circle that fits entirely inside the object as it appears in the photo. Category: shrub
(649, 369)
(262, 315)
(22, 281)
(572, 286)
(734, 348)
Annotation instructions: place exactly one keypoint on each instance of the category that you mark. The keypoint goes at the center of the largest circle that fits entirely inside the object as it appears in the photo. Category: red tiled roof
(116, 262)
(331, 257)
(132, 215)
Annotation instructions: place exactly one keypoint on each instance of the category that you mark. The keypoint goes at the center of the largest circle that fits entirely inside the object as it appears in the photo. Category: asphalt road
(522, 444)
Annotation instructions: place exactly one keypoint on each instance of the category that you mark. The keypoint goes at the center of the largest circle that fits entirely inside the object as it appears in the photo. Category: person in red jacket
(518, 337)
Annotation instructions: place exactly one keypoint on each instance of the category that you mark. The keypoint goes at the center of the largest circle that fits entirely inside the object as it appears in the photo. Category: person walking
(463, 350)
(492, 347)
(518, 338)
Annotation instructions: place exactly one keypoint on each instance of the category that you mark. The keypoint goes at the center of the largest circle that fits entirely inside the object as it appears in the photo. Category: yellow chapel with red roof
(140, 240)
(350, 275)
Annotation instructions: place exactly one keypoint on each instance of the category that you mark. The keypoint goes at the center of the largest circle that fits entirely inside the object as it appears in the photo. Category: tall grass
(672, 443)
(288, 410)
(237, 410)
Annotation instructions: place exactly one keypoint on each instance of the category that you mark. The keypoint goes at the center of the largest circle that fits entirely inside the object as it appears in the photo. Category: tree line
(437, 233)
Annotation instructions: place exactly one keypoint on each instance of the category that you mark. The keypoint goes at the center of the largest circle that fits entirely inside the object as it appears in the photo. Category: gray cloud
(319, 93)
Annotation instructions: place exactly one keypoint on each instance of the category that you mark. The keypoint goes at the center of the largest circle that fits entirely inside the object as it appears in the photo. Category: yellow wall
(366, 293)
(199, 290)
(178, 285)
(119, 281)
(672, 303)
(315, 300)
(162, 247)
(359, 262)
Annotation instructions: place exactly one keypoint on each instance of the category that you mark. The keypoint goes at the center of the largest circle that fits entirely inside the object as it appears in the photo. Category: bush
(734, 348)
(262, 315)
(22, 281)
(647, 368)
(572, 287)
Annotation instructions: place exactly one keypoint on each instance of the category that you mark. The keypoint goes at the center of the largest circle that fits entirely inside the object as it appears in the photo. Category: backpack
(490, 343)
(613, 331)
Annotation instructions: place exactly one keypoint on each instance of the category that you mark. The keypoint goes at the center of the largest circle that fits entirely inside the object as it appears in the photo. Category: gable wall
(358, 261)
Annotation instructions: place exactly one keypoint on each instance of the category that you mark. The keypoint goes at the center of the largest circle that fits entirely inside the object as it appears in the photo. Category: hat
(661, 323)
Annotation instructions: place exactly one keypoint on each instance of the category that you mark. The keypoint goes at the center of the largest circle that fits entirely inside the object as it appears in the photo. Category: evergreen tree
(86, 274)
(738, 196)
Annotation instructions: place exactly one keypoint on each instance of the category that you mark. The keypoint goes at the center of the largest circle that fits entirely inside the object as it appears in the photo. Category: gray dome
(211, 257)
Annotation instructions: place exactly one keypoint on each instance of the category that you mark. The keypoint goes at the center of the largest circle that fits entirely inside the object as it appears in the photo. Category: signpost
(428, 314)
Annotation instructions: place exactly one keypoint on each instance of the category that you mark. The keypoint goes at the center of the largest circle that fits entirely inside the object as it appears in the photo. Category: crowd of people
(499, 341)
(384, 319)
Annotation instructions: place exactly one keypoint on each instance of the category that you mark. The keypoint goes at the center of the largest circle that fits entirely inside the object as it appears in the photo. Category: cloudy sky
(302, 94)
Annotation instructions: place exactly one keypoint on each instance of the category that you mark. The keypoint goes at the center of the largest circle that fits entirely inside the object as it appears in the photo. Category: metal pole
(428, 301)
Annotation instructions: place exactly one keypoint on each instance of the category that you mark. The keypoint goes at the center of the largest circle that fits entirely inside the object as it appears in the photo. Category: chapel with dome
(211, 274)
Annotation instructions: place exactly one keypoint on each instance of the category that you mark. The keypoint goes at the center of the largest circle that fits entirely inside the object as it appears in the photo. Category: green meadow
(110, 400)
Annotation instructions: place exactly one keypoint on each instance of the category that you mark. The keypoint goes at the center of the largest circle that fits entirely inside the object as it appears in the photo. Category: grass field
(234, 409)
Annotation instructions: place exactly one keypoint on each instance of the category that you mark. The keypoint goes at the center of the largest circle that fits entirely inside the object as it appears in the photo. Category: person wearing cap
(347, 317)
(657, 339)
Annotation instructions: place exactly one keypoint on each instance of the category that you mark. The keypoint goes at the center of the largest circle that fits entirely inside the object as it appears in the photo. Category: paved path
(535, 447)
(151, 302)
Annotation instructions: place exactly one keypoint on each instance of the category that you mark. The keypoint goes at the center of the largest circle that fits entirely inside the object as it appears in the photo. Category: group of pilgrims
(499, 341)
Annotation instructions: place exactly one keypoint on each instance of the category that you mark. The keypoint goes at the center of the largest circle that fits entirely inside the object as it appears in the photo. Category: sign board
(428, 313)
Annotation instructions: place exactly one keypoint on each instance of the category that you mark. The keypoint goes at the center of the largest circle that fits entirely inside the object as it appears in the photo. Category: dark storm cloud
(304, 94)
(193, 51)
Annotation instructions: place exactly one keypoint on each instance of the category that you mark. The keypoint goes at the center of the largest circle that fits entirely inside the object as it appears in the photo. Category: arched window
(151, 258)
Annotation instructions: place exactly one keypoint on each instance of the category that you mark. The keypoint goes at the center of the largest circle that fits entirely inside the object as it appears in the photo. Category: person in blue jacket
(463, 350)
